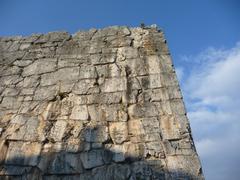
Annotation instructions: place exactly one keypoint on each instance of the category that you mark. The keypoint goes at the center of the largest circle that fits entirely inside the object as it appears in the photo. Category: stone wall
(99, 104)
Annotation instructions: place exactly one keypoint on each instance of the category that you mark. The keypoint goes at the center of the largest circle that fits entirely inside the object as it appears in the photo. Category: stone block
(10, 80)
(169, 127)
(114, 85)
(92, 159)
(134, 152)
(60, 77)
(169, 79)
(113, 112)
(118, 152)
(111, 70)
(58, 130)
(31, 81)
(118, 132)
(86, 86)
(45, 93)
(79, 113)
(62, 163)
(106, 98)
(9, 171)
(12, 70)
(104, 59)
(137, 67)
(142, 110)
(10, 92)
(154, 64)
(143, 126)
(96, 134)
(40, 66)
(127, 53)
(177, 107)
(87, 72)
(23, 153)
(24, 127)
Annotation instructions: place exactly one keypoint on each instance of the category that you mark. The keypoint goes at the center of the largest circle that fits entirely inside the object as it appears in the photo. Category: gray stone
(58, 36)
(92, 159)
(142, 110)
(24, 46)
(107, 98)
(115, 112)
(79, 113)
(10, 80)
(65, 163)
(111, 70)
(14, 170)
(118, 132)
(45, 93)
(40, 66)
(31, 81)
(85, 86)
(58, 130)
(23, 153)
(87, 72)
(170, 127)
(114, 85)
(96, 134)
(24, 127)
(10, 92)
(22, 63)
(145, 129)
(127, 53)
(11, 70)
(60, 77)
(118, 152)
(104, 59)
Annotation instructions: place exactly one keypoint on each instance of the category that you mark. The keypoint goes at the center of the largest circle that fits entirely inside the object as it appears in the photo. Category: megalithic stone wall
(100, 104)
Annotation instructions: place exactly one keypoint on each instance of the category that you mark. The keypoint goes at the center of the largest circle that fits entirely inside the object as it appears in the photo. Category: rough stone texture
(99, 104)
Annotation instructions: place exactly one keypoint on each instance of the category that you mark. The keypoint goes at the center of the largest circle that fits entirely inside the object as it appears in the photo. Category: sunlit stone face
(118, 132)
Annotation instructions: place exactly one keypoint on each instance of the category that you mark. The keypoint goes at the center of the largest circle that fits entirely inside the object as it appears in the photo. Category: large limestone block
(109, 113)
(184, 166)
(86, 86)
(87, 72)
(61, 76)
(45, 93)
(95, 158)
(114, 84)
(104, 59)
(24, 127)
(40, 66)
(79, 113)
(142, 110)
(170, 127)
(58, 130)
(63, 163)
(118, 132)
(23, 153)
(144, 130)
(96, 134)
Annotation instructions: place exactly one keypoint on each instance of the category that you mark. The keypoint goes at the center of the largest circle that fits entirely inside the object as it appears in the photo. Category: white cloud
(212, 94)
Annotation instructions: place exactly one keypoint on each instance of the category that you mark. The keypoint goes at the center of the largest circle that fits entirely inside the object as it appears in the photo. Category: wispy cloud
(212, 93)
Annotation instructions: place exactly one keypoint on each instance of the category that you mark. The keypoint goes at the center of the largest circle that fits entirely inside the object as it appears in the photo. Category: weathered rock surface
(99, 104)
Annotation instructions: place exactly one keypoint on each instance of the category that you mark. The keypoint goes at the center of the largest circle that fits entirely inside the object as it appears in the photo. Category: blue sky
(203, 37)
